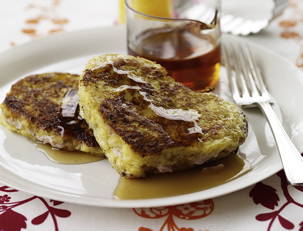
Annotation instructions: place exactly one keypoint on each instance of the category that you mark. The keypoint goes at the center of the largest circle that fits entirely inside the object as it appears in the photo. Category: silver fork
(249, 90)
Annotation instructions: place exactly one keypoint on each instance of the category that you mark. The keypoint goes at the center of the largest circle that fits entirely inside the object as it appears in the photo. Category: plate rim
(101, 202)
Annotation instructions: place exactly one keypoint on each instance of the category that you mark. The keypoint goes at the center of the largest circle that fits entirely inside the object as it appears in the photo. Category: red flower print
(266, 216)
(4, 198)
(265, 195)
(144, 229)
(12, 221)
(267, 191)
(40, 219)
(300, 188)
(56, 202)
(190, 211)
(285, 223)
(7, 189)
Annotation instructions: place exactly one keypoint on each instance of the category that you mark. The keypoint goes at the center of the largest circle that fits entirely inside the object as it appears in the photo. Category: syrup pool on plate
(188, 181)
(162, 185)
(65, 157)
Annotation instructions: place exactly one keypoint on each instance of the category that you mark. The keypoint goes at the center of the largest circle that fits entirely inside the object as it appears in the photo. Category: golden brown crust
(38, 99)
(149, 137)
(147, 123)
(130, 106)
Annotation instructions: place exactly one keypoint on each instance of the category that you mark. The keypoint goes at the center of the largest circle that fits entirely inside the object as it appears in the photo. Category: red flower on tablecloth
(4, 198)
(190, 211)
(266, 196)
(10, 215)
(10, 220)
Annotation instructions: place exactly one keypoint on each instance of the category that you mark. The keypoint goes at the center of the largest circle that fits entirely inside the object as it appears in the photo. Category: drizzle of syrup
(189, 181)
(65, 157)
(137, 84)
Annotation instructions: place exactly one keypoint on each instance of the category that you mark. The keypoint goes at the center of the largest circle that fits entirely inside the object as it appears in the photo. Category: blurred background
(24, 20)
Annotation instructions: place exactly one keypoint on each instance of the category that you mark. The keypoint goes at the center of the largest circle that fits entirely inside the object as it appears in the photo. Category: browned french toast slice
(147, 123)
(44, 108)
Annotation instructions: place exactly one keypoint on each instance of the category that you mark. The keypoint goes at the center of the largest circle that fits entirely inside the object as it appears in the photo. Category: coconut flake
(70, 103)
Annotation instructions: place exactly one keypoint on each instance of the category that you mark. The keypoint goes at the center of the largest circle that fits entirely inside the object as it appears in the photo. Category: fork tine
(233, 82)
(257, 74)
(252, 67)
(239, 72)
(248, 71)
(243, 65)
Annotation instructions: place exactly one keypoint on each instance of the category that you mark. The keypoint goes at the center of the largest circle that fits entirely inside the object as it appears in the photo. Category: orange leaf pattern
(191, 211)
(291, 26)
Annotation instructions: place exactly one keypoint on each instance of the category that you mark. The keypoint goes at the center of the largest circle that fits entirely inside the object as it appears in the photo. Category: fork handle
(290, 156)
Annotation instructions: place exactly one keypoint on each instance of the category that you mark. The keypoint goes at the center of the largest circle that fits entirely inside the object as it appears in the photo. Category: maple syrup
(189, 181)
(190, 57)
(66, 157)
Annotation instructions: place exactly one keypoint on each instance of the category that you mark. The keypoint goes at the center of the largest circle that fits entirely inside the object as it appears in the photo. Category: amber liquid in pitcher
(190, 57)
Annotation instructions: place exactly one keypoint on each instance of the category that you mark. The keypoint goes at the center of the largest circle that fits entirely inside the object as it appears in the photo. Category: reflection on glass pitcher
(183, 36)
(160, 8)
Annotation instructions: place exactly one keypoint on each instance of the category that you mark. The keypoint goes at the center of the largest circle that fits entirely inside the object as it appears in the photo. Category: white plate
(24, 168)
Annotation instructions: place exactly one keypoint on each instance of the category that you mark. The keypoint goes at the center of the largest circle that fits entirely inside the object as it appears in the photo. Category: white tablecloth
(271, 205)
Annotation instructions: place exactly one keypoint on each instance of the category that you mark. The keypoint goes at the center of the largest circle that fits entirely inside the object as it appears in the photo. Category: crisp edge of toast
(115, 147)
